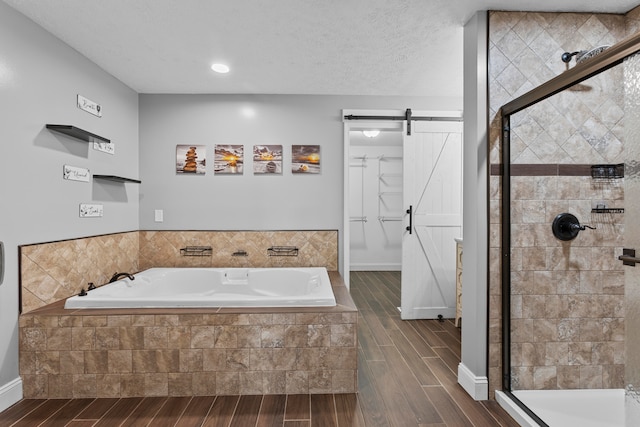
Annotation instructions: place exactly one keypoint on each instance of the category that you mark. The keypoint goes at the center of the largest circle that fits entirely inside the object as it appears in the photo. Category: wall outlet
(159, 215)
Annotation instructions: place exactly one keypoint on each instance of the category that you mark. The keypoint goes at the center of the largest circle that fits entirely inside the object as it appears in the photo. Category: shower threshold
(568, 408)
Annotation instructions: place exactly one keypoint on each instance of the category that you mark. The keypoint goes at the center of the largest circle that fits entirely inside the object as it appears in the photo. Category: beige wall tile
(84, 385)
(120, 361)
(297, 382)
(96, 362)
(274, 382)
(110, 356)
(156, 384)
(107, 385)
(180, 384)
(227, 383)
(132, 385)
(204, 383)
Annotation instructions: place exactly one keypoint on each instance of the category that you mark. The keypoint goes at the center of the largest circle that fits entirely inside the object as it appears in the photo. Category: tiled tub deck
(184, 352)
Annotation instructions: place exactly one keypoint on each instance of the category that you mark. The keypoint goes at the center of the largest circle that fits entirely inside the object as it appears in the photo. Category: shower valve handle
(584, 227)
(628, 257)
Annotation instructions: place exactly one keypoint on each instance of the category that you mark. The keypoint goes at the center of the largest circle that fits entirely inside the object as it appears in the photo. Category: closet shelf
(116, 178)
(77, 133)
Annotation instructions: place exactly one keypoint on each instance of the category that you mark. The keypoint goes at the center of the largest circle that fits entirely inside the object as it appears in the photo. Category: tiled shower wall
(53, 271)
(567, 298)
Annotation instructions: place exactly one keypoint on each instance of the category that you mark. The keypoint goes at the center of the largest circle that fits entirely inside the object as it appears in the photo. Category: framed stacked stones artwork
(229, 159)
(305, 159)
(191, 159)
(267, 159)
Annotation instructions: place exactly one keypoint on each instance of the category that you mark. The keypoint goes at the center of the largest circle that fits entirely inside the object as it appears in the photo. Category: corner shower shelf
(607, 171)
(116, 178)
(607, 210)
(78, 133)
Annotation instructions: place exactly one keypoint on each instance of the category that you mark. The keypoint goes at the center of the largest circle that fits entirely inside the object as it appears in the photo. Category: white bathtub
(213, 287)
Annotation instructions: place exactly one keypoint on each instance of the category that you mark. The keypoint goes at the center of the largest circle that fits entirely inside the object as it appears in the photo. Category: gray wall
(223, 202)
(39, 79)
(475, 213)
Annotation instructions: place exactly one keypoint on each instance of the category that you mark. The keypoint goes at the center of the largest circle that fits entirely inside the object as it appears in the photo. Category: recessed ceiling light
(220, 68)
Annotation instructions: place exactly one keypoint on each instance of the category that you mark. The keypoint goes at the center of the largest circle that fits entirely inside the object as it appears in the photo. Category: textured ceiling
(333, 47)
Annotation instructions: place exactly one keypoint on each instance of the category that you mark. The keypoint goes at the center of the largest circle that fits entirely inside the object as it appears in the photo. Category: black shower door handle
(410, 212)
(628, 257)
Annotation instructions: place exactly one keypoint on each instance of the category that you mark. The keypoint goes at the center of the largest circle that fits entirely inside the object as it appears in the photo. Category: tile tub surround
(53, 271)
(316, 248)
(185, 352)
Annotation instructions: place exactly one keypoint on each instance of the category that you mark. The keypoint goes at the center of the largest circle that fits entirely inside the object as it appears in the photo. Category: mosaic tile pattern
(190, 352)
(568, 310)
(53, 271)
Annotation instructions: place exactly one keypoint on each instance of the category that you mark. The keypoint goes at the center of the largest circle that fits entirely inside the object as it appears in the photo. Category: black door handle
(628, 257)
(410, 212)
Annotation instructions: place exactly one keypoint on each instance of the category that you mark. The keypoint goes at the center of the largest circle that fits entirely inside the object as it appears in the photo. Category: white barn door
(432, 192)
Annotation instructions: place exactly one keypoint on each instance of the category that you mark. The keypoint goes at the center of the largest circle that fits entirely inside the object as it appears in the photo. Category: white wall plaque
(89, 106)
(88, 210)
(75, 174)
(104, 147)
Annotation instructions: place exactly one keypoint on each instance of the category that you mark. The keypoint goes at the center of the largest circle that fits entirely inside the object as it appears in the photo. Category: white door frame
(353, 125)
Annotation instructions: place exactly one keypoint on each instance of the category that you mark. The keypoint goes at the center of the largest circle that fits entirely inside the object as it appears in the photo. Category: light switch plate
(159, 215)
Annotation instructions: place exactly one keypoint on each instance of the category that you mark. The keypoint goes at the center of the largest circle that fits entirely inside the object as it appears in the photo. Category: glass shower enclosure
(570, 203)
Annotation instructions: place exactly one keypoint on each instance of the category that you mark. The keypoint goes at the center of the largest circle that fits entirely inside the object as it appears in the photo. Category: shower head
(583, 55)
(566, 57)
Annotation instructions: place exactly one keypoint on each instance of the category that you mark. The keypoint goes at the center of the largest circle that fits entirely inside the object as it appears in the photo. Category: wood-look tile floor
(406, 377)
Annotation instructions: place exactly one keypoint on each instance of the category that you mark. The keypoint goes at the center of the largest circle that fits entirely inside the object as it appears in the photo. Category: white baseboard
(477, 387)
(10, 393)
(375, 267)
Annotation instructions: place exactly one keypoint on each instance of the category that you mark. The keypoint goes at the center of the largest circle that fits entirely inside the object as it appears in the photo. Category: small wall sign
(89, 106)
(74, 173)
(88, 210)
(109, 148)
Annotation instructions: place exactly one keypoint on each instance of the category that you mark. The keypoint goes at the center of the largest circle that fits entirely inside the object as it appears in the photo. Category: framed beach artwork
(267, 159)
(191, 159)
(229, 159)
(305, 159)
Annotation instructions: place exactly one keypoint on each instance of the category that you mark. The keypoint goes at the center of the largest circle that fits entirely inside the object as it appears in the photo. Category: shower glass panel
(632, 237)
(571, 300)
(567, 296)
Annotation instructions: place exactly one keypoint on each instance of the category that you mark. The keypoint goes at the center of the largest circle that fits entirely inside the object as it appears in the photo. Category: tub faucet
(117, 276)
